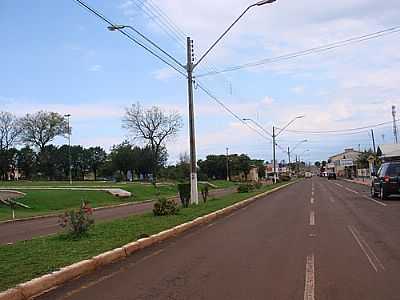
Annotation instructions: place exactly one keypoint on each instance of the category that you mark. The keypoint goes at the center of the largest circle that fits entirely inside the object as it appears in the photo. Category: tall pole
(273, 150)
(288, 153)
(193, 165)
(69, 150)
(227, 164)
(394, 124)
(373, 140)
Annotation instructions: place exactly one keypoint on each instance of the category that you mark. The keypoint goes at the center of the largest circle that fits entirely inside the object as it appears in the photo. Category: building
(388, 152)
(344, 164)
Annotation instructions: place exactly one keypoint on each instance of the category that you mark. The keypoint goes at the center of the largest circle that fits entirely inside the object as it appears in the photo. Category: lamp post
(274, 136)
(190, 67)
(294, 148)
(68, 116)
(299, 162)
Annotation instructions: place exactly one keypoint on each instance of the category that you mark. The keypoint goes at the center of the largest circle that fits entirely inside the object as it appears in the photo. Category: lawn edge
(40, 285)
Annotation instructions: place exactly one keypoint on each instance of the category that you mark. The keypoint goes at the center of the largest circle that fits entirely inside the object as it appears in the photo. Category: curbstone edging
(41, 284)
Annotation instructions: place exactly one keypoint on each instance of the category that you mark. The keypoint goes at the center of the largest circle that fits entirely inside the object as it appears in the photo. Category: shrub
(184, 193)
(245, 188)
(78, 222)
(284, 178)
(165, 207)
(258, 185)
(204, 192)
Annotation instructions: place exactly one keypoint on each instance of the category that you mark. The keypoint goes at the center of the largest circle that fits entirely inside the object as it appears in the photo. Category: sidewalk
(365, 181)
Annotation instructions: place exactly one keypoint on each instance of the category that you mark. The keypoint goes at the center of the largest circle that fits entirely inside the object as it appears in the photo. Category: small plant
(204, 192)
(165, 207)
(78, 222)
(184, 194)
(258, 185)
(245, 188)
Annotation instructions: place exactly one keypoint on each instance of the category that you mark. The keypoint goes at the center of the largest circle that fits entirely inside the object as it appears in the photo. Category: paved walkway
(25, 230)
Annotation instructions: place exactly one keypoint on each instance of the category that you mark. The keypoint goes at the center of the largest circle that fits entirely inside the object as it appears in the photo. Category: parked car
(386, 181)
(308, 175)
(331, 175)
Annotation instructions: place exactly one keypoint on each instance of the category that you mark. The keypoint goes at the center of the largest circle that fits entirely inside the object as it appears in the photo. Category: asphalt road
(25, 230)
(316, 239)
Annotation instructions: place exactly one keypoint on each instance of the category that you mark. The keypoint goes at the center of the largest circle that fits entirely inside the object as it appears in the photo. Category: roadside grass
(25, 260)
(56, 201)
(222, 184)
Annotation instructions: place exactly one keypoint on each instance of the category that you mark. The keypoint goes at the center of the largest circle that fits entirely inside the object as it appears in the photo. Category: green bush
(165, 207)
(204, 192)
(184, 193)
(78, 222)
(258, 185)
(284, 178)
(245, 188)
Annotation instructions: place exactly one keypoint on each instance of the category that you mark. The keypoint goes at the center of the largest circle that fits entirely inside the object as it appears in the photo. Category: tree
(154, 127)
(122, 159)
(41, 128)
(26, 162)
(10, 130)
(317, 164)
(96, 159)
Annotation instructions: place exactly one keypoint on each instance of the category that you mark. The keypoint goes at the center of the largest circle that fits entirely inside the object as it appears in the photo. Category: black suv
(387, 181)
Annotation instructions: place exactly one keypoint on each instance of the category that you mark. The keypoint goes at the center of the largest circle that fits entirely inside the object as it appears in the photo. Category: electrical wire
(101, 16)
(315, 50)
(348, 131)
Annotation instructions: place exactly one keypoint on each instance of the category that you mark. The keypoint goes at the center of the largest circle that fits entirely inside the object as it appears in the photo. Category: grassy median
(23, 261)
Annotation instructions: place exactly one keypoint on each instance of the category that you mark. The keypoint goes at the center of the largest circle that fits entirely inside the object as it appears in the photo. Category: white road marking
(369, 253)
(338, 184)
(312, 218)
(309, 287)
(377, 202)
(350, 190)
(312, 200)
(312, 193)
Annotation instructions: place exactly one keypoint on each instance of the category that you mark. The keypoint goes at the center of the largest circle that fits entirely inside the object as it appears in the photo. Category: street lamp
(190, 66)
(68, 116)
(274, 135)
(294, 148)
(299, 156)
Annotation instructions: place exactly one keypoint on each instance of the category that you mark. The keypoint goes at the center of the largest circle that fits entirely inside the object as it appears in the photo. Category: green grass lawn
(222, 184)
(29, 259)
(56, 201)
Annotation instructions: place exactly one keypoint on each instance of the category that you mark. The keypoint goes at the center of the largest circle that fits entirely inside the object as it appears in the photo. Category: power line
(315, 50)
(348, 131)
(101, 16)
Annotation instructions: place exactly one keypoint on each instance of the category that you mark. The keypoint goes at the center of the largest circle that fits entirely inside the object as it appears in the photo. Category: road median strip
(42, 284)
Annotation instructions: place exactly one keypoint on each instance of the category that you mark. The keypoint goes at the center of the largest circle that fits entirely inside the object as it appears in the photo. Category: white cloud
(95, 68)
(299, 90)
(165, 73)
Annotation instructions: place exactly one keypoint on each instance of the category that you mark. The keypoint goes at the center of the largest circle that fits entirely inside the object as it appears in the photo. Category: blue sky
(56, 56)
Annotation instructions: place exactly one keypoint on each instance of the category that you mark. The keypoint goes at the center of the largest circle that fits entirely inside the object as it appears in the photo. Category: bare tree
(153, 126)
(41, 128)
(9, 130)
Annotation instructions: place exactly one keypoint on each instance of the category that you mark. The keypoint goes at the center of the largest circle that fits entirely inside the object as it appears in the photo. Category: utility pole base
(194, 194)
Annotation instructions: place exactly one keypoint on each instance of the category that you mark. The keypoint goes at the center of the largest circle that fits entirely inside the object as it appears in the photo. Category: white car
(308, 175)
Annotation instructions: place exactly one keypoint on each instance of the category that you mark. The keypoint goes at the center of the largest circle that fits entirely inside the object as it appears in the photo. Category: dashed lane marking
(338, 184)
(353, 191)
(312, 200)
(309, 287)
(312, 218)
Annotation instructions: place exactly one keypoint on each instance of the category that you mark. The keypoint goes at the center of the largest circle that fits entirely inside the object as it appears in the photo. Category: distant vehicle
(331, 175)
(324, 174)
(308, 175)
(386, 181)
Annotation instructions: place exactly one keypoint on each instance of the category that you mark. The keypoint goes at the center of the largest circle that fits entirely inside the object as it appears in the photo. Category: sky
(56, 56)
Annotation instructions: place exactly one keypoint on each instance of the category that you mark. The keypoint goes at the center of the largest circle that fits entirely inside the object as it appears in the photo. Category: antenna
(394, 124)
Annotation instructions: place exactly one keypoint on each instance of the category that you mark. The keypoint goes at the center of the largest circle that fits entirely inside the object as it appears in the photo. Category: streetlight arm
(259, 126)
(298, 144)
(288, 124)
(259, 3)
(120, 27)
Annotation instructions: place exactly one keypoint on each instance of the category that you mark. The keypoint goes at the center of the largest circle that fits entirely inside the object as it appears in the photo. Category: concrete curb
(358, 182)
(42, 284)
